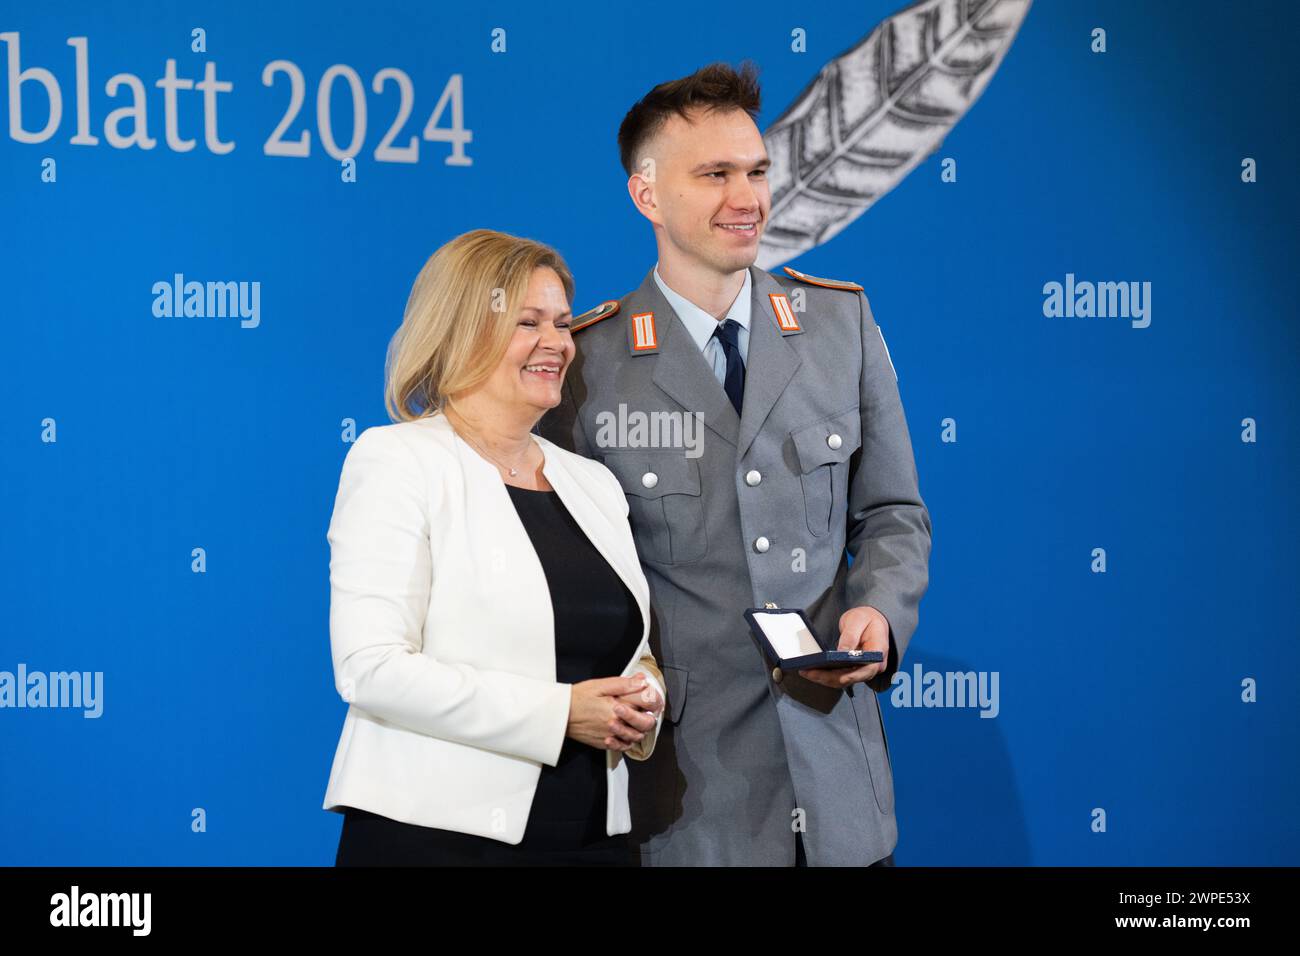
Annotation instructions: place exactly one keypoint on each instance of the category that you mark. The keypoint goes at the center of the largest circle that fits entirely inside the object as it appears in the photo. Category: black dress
(597, 630)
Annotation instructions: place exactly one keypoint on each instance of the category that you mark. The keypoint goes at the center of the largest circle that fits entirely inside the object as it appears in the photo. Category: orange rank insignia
(785, 317)
(644, 337)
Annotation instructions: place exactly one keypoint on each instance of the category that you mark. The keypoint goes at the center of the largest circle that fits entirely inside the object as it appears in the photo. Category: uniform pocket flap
(828, 441)
(653, 474)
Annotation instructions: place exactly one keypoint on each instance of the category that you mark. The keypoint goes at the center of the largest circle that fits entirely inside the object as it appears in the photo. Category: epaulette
(825, 283)
(592, 316)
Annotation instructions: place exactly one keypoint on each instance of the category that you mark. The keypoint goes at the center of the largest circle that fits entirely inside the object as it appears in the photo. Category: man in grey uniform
(755, 425)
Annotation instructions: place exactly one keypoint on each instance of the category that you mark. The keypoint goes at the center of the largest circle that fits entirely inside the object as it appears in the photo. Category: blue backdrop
(1119, 691)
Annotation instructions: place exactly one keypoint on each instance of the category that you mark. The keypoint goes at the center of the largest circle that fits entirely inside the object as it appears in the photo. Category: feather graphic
(875, 112)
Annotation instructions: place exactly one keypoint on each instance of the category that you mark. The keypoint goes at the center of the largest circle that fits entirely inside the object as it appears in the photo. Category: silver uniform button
(753, 478)
(777, 675)
(835, 441)
(649, 479)
(761, 545)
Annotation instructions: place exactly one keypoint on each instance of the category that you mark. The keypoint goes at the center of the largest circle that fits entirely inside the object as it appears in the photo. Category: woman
(489, 620)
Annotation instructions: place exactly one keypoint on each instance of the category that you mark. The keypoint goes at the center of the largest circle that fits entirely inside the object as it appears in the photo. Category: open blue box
(787, 638)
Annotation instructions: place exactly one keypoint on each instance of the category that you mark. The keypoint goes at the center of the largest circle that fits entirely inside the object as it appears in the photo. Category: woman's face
(540, 350)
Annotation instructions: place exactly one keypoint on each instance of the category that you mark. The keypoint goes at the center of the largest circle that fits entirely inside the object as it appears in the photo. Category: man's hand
(861, 628)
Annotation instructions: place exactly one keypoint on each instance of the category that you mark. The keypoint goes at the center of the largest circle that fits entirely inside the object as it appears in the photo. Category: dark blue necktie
(728, 333)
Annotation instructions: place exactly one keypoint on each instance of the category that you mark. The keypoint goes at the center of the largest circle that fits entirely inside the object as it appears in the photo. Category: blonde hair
(459, 319)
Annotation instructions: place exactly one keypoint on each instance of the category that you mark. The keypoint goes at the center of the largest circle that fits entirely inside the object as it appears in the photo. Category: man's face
(709, 187)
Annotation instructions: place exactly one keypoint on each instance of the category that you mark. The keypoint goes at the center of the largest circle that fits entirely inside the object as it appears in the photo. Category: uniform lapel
(771, 363)
(680, 369)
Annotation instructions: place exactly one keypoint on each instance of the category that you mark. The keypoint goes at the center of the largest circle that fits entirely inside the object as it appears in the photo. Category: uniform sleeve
(380, 579)
(888, 523)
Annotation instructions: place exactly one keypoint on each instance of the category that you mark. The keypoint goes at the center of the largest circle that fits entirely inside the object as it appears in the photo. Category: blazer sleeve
(380, 580)
(888, 522)
(644, 747)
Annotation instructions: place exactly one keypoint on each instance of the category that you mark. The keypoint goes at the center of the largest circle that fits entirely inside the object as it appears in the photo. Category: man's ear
(641, 187)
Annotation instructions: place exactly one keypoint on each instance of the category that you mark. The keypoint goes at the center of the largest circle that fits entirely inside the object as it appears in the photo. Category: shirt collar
(699, 323)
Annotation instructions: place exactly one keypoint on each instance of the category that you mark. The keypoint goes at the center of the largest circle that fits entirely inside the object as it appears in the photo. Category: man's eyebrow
(721, 164)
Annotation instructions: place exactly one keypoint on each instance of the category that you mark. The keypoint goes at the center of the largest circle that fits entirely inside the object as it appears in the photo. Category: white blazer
(443, 634)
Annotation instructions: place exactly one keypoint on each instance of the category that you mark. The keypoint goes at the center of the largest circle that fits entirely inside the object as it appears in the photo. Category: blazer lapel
(577, 499)
(496, 532)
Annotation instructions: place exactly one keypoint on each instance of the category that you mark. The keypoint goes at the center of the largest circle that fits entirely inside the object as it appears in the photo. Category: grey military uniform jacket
(762, 507)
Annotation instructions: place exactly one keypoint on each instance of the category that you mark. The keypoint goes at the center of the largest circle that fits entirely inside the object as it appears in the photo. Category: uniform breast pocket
(665, 505)
(823, 449)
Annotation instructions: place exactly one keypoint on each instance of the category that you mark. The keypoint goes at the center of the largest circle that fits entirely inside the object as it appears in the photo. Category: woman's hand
(608, 713)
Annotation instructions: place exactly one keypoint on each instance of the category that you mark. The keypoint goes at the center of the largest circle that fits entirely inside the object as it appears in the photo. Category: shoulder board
(592, 316)
(825, 283)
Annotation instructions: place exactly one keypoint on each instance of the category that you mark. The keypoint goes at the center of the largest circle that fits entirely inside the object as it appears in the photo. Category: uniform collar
(699, 323)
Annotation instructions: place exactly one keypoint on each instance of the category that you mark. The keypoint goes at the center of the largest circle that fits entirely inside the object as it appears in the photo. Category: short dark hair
(713, 87)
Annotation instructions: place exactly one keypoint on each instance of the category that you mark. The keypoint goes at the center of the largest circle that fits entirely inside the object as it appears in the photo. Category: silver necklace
(514, 472)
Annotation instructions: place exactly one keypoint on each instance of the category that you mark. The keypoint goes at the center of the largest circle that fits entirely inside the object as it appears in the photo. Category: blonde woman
(489, 620)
